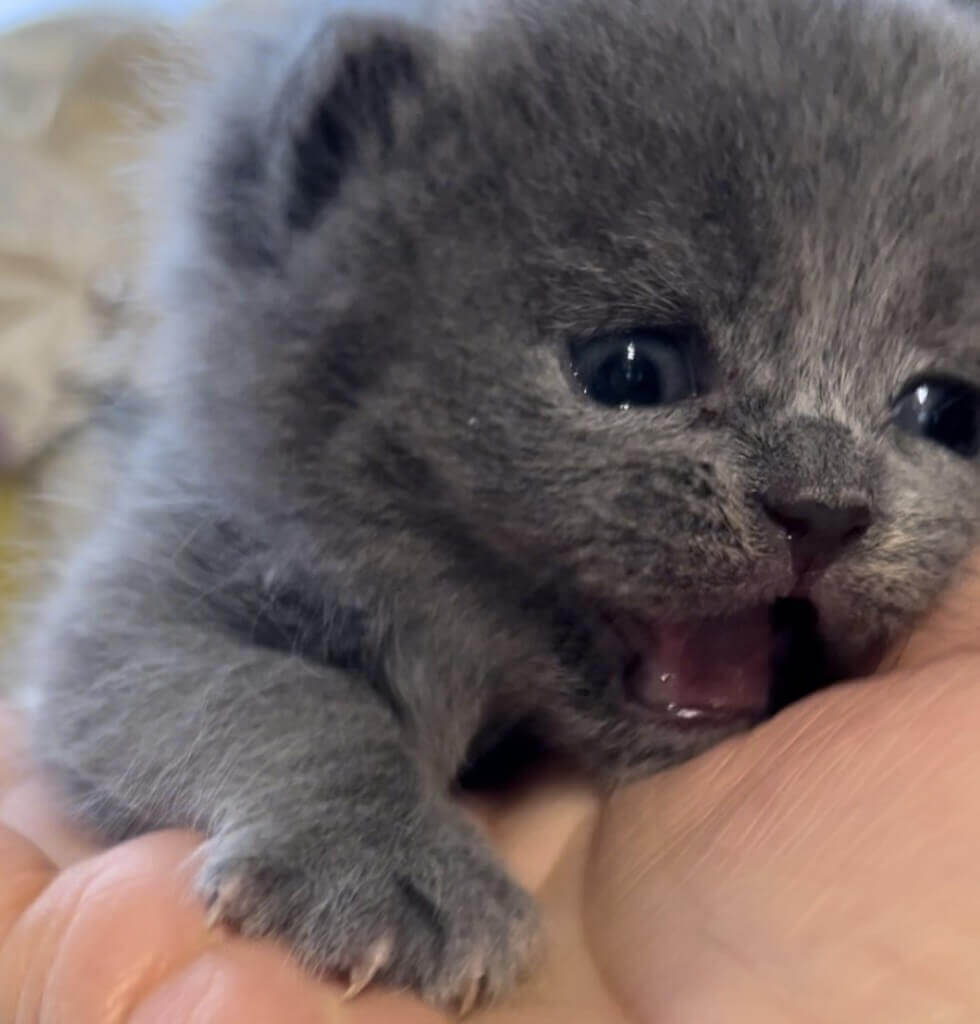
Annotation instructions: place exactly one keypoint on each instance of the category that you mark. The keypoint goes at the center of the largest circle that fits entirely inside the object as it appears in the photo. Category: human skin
(822, 868)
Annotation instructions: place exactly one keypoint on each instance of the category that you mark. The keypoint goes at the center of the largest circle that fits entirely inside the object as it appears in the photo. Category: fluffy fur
(374, 525)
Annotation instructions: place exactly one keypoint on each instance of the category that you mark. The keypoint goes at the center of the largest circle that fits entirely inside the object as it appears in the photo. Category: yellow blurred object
(78, 100)
(73, 113)
(9, 544)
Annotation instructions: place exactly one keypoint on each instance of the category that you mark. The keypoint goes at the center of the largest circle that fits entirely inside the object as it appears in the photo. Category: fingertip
(247, 981)
(103, 932)
(27, 873)
(27, 806)
(240, 982)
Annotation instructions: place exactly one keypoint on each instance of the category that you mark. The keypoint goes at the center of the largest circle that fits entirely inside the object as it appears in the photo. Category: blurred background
(14, 12)
(79, 105)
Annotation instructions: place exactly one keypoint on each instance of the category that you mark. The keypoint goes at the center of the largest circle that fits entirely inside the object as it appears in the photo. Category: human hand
(821, 868)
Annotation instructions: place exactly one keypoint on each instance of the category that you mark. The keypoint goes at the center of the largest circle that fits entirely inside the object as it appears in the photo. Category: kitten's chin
(723, 672)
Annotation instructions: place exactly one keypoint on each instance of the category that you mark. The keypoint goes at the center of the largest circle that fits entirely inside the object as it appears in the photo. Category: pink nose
(817, 533)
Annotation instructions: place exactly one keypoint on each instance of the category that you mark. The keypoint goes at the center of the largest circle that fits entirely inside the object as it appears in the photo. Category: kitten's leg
(323, 826)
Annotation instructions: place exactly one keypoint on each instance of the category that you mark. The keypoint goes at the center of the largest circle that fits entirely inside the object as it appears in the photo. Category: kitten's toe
(239, 896)
(490, 938)
(435, 914)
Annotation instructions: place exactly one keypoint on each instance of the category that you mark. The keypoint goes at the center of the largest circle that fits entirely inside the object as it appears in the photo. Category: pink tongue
(714, 667)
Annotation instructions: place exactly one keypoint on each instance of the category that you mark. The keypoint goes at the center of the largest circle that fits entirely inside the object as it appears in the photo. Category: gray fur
(374, 520)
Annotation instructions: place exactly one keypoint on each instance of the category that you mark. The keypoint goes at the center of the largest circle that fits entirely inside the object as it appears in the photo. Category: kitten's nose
(817, 533)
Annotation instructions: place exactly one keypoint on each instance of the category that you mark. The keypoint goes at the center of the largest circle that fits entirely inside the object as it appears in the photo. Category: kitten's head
(673, 305)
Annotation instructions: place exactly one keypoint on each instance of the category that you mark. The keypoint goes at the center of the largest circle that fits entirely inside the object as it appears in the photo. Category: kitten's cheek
(858, 641)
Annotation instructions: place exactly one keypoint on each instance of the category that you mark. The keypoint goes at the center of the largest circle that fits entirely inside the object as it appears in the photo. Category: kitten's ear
(345, 99)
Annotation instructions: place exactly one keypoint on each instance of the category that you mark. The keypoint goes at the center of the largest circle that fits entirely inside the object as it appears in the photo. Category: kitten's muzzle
(726, 670)
(732, 671)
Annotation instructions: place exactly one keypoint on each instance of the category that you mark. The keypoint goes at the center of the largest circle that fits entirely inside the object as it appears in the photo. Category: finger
(236, 983)
(543, 830)
(822, 860)
(102, 934)
(25, 872)
(530, 826)
(120, 937)
(28, 808)
(567, 984)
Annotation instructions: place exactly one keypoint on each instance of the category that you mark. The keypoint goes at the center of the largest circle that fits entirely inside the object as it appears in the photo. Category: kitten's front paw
(423, 907)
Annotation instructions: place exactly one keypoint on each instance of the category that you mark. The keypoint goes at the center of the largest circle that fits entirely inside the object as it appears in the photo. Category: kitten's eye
(943, 410)
(639, 368)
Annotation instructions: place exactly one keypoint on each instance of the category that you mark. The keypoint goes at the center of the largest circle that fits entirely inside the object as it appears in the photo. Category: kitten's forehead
(822, 156)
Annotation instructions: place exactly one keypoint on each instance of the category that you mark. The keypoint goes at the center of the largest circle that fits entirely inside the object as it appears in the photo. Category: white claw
(228, 892)
(471, 995)
(364, 973)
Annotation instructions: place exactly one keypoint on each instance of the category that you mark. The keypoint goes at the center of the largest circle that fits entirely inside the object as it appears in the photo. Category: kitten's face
(637, 296)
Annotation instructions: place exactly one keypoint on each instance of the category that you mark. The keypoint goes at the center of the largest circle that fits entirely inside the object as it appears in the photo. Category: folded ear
(353, 87)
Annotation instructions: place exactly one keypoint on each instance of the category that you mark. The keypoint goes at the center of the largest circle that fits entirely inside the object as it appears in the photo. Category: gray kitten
(603, 372)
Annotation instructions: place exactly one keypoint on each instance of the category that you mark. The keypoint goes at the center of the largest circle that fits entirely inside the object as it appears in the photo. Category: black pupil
(625, 378)
(948, 413)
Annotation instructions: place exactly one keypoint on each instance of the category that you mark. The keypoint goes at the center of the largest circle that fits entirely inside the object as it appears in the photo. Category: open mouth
(728, 670)
(712, 676)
